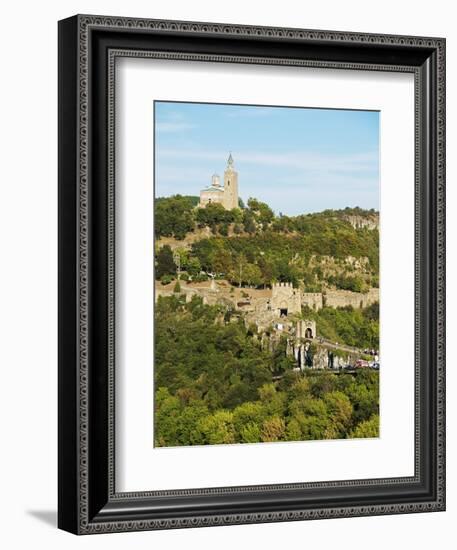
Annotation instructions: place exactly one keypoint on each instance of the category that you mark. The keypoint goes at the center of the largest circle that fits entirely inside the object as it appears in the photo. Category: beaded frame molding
(88, 48)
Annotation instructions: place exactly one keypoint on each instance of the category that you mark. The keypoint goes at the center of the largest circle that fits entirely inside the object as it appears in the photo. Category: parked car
(361, 364)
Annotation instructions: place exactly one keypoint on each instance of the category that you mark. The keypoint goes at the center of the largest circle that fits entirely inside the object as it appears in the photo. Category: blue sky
(297, 160)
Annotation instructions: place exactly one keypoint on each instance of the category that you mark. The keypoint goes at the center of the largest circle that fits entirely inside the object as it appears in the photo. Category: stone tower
(230, 185)
(285, 299)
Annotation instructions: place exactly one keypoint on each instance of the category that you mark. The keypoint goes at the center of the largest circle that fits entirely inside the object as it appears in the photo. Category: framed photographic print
(251, 274)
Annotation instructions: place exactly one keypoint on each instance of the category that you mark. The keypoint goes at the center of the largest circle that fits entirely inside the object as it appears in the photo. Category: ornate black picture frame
(88, 501)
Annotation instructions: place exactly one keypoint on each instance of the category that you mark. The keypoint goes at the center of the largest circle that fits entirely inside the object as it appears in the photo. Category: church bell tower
(230, 185)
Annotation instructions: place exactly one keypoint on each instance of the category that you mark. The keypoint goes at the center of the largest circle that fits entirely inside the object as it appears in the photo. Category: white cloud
(173, 127)
(171, 173)
(304, 161)
(315, 180)
(173, 122)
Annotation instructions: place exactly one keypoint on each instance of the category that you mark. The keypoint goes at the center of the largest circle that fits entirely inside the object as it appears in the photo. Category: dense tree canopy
(354, 327)
(214, 381)
(253, 247)
(165, 264)
(214, 384)
(174, 216)
(284, 257)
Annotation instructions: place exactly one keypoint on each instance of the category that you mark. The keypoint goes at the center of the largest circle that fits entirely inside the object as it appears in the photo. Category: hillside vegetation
(253, 247)
(215, 380)
(215, 384)
(353, 327)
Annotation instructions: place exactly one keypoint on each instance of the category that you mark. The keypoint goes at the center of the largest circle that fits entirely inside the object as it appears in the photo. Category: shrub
(166, 279)
(177, 288)
(200, 278)
(368, 428)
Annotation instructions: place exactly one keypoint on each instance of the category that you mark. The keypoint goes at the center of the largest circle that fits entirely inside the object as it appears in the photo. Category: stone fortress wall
(305, 329)
(344, 298)
(283, 297)
(313, 300)
(274, 316)
(340, 298)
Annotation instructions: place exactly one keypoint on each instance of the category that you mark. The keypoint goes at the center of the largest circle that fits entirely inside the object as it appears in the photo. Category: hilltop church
(227, 195)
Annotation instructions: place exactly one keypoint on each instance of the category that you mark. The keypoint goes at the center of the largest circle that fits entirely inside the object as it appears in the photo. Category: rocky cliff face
(358, 222)
(334, 266)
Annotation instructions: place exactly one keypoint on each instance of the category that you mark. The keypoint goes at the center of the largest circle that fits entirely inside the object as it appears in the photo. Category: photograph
(251, 273)
(267, 274)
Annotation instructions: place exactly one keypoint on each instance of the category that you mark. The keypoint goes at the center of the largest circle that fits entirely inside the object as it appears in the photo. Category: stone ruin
(285, 299)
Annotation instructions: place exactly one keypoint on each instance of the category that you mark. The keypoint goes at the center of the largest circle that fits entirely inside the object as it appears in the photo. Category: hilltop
(251, 246)
(261, 321)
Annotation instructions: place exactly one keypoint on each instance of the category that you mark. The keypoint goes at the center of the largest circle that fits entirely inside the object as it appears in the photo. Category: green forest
(214, 385)
(215, 382)
(354, 327)
(262, 247)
